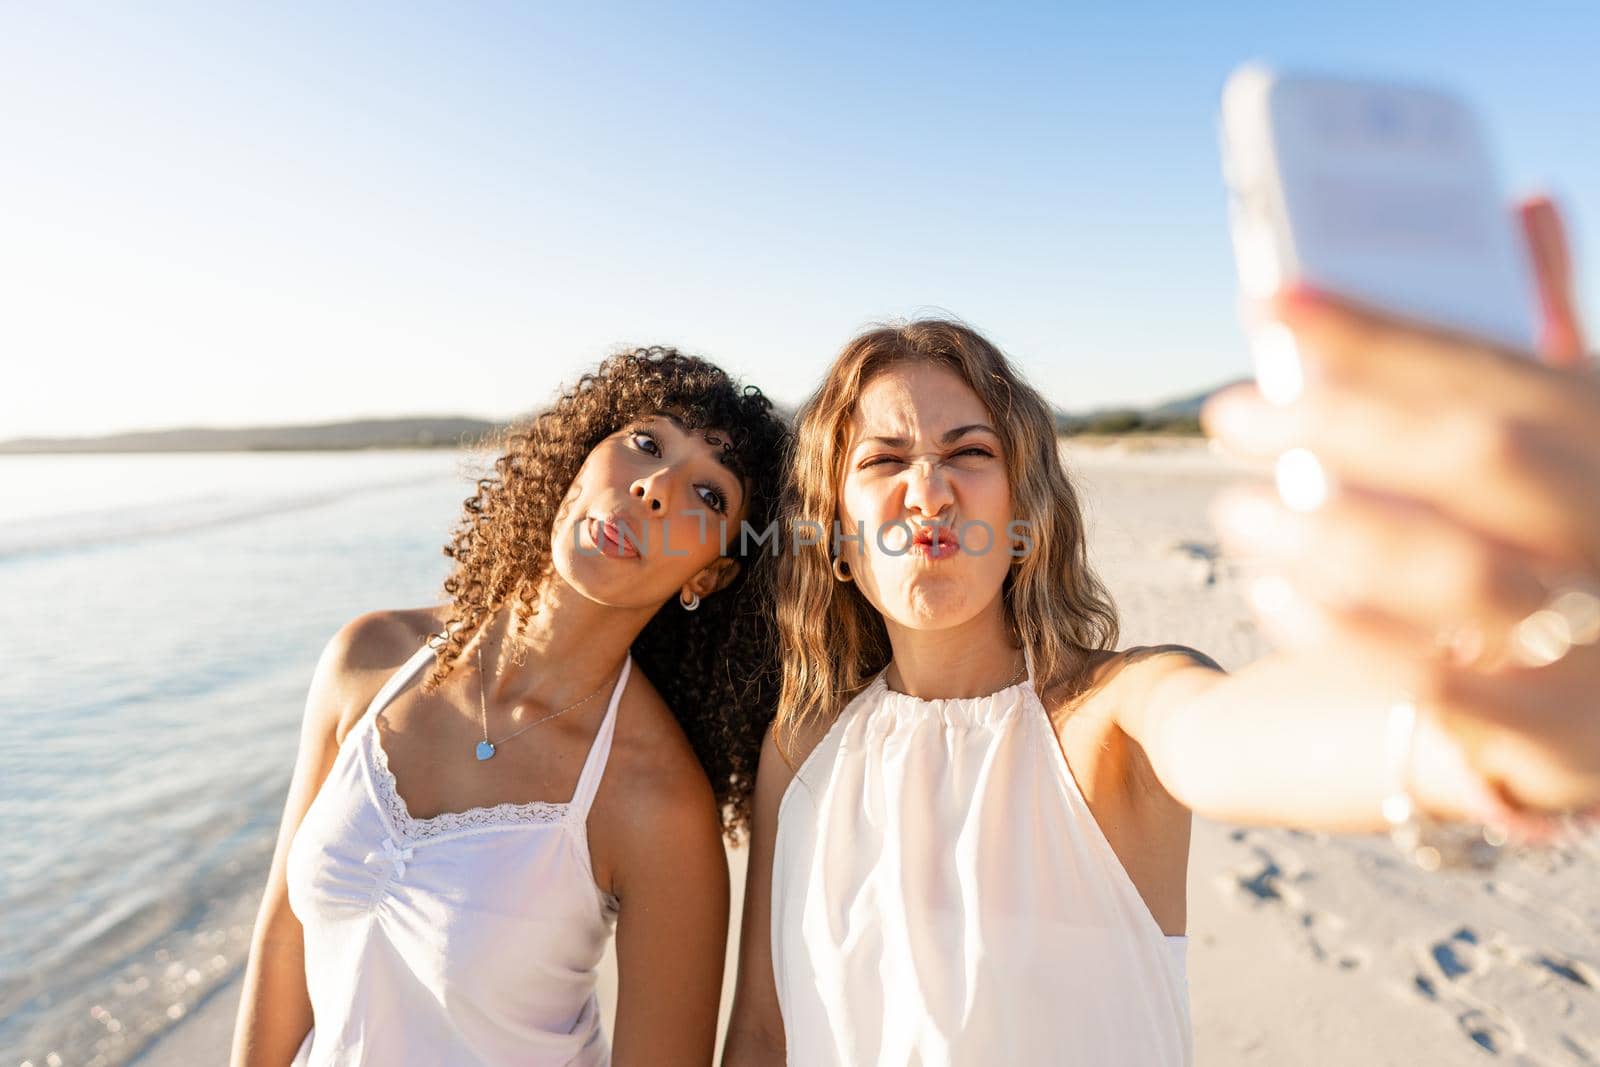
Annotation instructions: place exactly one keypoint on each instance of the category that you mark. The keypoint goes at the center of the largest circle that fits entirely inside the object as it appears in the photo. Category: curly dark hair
(717, 667)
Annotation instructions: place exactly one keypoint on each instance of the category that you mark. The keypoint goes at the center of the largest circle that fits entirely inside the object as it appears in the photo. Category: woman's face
(644, 517)
(925, 487)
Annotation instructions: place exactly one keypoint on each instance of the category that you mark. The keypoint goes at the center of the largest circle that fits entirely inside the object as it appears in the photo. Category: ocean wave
(92, 530)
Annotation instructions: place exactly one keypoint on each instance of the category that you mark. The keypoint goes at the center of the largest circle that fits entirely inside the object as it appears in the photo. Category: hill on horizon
(406, 432)
(1177, 416)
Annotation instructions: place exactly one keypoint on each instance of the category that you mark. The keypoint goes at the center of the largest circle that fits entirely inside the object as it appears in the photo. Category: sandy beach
(1304, 949)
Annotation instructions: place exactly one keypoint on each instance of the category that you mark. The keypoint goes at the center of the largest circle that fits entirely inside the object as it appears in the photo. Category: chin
(929, 607)
(587, 576)
(938, 602)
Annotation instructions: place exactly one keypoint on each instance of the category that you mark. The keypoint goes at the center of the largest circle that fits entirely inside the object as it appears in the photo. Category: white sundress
(942, 895)
(470, 938)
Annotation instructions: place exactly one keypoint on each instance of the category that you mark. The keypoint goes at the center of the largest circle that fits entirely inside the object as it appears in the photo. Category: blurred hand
(1465, 485)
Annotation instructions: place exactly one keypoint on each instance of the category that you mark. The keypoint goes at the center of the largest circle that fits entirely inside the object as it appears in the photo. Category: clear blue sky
(224, 214)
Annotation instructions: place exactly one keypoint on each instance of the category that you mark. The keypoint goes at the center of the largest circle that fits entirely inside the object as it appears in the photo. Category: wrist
(1440, 813)
(1443, 811)
(1441, 779)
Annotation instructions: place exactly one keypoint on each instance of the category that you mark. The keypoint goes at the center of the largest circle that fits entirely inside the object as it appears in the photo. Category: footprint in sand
(1575, 971)
(1458, 955)
(1461, 954)
(1270, 880)
(1490, 1031)
(1269, 875)
(1199, 560)
(1580, 1049)
(1447, 961)
(1323, 931)
(1443, 976)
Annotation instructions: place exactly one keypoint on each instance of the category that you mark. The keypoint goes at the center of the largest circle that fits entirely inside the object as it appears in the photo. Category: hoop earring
(692, 603)
(841, 569)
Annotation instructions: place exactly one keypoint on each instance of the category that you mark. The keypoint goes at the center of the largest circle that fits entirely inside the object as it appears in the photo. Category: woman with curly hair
(485, 789)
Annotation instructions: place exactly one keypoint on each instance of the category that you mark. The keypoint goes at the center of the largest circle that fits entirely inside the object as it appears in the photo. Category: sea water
(162, 615)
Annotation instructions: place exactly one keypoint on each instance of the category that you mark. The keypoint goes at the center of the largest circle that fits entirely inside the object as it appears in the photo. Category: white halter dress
(470, 938)
(942, 894)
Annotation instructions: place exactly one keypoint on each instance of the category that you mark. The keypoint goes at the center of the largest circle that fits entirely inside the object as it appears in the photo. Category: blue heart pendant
(485, 750)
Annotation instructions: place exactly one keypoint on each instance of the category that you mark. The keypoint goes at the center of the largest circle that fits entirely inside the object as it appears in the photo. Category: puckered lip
(617, 535)
(934, 532)
(935, 540)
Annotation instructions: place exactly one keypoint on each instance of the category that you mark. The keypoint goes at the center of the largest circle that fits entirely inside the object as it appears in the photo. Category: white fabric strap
(595, 765)
(400, 679)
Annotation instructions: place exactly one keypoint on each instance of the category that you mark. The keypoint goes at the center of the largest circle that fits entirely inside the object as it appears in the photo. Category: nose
(654, 489)
(927, 489)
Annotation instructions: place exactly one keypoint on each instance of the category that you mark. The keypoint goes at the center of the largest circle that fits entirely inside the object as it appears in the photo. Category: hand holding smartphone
(1464, 538)
(1384, 194)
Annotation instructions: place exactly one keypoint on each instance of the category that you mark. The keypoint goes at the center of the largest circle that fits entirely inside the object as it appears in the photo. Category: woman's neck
(971, 660)
(570, 646)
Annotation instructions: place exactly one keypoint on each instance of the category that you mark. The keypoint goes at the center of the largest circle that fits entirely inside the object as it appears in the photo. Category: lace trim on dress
(414, 829)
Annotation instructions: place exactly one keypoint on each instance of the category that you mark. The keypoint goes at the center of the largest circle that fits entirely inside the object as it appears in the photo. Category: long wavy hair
(834, 640)
(716, 667)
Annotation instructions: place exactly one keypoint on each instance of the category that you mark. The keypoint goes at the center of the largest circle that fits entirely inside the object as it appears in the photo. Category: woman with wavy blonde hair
(972, 814)
(922, 855)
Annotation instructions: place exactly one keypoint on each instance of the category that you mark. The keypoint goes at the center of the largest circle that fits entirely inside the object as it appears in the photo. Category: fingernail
(1303, 485)
(1299, 294)
(1300, 301)
(1280, 374)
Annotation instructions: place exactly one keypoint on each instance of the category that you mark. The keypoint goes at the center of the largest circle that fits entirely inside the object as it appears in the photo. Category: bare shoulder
(1120, 713)
(1067, 701)
(361, 656)
(652, 757)
(1168, 656)
(1150, 675)
(1122, 677)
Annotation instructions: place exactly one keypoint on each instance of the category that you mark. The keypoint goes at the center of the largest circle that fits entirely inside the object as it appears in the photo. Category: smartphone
(1383, 193)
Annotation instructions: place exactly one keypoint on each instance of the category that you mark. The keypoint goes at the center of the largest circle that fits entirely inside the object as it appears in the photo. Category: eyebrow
(944, 439)
(721, 453)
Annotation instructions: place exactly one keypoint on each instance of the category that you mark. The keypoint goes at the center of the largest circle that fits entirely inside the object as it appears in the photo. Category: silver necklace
(486, 748)
(1022, 663)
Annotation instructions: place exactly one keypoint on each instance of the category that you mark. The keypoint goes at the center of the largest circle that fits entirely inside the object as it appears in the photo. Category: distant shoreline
(90, 449)
(1176, 420)
(356, 435)
(68, 447)
(86, 447)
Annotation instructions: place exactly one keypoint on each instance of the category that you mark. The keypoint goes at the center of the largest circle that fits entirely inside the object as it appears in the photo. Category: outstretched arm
(1294, 739)
(1461, 510)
